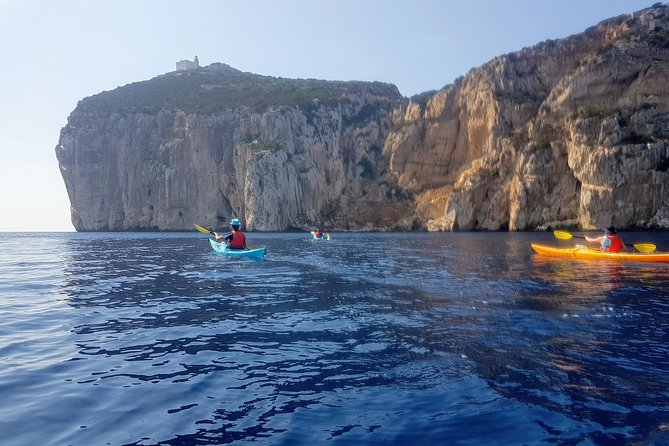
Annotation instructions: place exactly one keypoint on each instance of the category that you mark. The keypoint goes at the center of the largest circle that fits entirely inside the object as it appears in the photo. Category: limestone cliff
(207, 145)
(567, 133)
(572, 132)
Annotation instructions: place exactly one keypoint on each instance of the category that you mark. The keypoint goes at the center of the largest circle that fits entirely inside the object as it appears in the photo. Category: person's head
(234, 223)
(610, 230)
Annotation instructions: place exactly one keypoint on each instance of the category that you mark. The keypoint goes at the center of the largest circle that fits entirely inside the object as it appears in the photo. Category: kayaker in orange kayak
(609, 242)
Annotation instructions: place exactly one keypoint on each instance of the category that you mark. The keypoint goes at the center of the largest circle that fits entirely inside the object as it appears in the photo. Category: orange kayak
(583, 253)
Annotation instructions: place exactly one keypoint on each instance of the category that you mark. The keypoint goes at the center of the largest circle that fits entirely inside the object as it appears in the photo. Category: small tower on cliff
(187, 65)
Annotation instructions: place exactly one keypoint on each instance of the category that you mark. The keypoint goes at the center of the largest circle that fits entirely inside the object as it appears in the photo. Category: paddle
(207, 231)
(643, 247)
(204, 230)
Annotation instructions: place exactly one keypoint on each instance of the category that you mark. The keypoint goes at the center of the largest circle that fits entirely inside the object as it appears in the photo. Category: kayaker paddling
(235, 239)
(319, 235)
(221, 242)
(609, 242)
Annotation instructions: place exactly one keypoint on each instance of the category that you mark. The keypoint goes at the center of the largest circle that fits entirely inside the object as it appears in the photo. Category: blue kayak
(222, 248)
(318, 238)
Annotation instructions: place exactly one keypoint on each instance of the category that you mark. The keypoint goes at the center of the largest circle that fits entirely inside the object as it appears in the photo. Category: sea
(363, 339)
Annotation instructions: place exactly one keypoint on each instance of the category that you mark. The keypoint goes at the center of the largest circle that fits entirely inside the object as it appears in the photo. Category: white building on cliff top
(187, 65)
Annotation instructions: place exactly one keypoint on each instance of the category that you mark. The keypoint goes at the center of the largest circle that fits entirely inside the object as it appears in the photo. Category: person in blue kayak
(318, 233)
(235, 239)
(609, 242)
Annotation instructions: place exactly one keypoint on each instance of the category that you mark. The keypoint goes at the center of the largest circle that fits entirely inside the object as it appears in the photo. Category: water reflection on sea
(463, 338)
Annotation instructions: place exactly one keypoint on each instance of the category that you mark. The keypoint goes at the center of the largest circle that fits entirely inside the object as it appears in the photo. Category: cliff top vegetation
(219, 87)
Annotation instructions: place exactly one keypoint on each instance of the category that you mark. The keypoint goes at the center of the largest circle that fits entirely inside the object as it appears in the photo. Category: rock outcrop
(569, 133)
(210, 144)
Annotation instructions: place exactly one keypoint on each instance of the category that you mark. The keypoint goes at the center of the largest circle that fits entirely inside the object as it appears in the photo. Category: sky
(55, 53)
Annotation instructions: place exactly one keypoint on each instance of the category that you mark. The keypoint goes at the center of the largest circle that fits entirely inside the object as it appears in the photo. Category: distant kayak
(222, 248)
(324, 235)
(584, 253)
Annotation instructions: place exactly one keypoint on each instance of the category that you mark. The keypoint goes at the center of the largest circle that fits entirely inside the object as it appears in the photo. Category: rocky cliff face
(572, 132)
(314, 162)
(567, 133)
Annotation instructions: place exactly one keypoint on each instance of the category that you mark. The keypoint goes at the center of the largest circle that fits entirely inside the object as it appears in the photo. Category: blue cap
(234, 222)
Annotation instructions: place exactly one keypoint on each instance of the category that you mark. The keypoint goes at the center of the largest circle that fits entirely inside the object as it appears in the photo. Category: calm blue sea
(366, 339)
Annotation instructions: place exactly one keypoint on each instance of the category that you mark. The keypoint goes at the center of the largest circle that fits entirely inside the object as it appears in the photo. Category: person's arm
(594, 239)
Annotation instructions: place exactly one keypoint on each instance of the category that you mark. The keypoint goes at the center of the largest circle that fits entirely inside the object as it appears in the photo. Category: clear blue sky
(55, 53)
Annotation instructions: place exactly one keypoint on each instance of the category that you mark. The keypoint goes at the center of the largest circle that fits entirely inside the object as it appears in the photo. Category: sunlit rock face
(568, 133)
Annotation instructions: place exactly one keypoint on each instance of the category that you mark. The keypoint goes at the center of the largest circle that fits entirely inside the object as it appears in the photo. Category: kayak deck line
(585, 253)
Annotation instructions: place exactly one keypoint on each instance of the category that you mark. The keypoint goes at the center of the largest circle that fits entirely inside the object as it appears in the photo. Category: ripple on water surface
(363, 339)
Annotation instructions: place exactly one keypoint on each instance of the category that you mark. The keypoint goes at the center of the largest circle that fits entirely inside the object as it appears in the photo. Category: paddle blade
(562, 235)
(203, 230)
(645, 247)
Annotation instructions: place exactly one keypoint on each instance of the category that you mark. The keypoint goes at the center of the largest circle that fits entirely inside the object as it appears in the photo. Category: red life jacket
(616, 243)
(238, 240)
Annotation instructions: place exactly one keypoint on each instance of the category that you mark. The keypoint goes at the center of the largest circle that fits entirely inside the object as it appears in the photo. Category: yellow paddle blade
(645, 247)
(203, 230)
(562, 235)
(313, 232)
